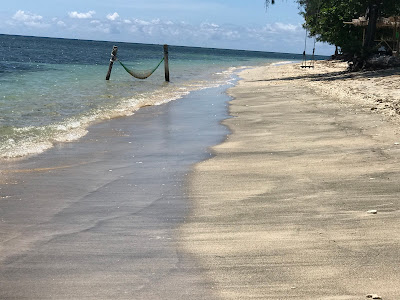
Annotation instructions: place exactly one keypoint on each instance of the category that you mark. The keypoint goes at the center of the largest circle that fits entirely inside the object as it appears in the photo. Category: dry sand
(378, 90)
(281, 211)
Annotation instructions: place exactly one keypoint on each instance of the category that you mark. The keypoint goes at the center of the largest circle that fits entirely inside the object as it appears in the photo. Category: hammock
(140, 74)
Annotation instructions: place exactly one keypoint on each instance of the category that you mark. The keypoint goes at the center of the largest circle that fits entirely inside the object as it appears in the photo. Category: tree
(377, 8)
(324, 20)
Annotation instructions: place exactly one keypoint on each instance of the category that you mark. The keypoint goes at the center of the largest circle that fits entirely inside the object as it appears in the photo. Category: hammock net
(140, 74)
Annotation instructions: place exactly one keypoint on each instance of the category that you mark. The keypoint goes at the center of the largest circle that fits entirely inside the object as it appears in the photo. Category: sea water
(52, 90)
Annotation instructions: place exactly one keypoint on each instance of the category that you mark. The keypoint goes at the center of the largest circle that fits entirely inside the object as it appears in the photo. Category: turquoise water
(51, 90)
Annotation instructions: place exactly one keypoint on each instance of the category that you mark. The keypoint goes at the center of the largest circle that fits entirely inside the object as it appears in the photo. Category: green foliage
(324, 20)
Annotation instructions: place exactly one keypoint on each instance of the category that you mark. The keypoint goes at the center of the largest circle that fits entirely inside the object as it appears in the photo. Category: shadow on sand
(333, 76)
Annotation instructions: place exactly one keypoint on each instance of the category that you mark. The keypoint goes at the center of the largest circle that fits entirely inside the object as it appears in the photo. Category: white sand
(281, 211)
(372, 90)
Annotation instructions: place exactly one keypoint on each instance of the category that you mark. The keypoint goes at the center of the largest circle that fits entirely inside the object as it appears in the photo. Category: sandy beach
(298, 199)
(301, 201)
(97, 218)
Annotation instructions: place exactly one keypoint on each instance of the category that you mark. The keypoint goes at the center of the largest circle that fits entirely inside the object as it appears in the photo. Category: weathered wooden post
(112, 59)
(166, 66)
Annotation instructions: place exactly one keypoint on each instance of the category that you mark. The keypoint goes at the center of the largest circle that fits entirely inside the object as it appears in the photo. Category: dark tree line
(324, 20)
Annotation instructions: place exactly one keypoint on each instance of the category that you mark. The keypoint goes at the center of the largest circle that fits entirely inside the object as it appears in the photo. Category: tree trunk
(371, 29)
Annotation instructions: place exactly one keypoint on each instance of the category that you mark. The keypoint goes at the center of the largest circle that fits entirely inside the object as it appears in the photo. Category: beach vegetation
(324, 20)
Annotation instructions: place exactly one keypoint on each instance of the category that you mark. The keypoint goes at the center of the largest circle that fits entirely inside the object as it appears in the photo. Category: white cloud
(77, 15)
(141, 22)
(59, 22)
(287, 27)
(28, 19)
(279, 37)
(26, 16)
(113, 17)
(209, 25)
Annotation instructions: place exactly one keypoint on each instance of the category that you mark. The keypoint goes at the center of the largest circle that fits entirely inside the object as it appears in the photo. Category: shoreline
(277, 210)
(97, 218)
(282, 210)
(67, 131)
(64, 98)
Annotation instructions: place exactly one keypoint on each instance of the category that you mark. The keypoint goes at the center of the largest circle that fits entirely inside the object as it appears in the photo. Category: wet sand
(283, 211)
(280, 212)
(97, 218)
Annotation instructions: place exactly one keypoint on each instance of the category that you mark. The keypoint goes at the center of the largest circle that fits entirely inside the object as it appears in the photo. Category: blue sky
(235, 24)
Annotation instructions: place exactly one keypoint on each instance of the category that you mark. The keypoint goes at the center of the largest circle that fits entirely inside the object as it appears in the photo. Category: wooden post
(112, 59)
(166, 66)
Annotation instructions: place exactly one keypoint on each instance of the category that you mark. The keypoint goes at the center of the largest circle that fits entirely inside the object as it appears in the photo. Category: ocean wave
(280, 63)
(32, 140)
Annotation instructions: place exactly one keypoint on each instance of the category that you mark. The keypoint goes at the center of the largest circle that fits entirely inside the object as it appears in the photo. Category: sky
(230, 24)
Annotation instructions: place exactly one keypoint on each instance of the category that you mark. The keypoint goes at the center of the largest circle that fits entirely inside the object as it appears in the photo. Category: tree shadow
(339, 75)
